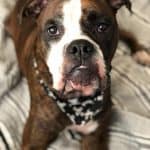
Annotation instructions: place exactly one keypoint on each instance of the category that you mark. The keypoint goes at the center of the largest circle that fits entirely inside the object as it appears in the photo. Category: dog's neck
(79, 110)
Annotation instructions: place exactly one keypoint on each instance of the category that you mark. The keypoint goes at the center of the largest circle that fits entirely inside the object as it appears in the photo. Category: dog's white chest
(88, 128)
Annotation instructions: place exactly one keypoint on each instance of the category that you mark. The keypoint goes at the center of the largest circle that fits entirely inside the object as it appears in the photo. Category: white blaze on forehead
(72, 16)
(72, 12)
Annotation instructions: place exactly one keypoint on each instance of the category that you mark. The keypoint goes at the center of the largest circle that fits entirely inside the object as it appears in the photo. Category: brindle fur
(45, 120)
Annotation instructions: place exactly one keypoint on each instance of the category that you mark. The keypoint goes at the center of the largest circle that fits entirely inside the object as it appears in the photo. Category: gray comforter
(130, 122)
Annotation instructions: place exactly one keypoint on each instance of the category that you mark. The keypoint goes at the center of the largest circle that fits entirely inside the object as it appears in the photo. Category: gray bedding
(130, 122)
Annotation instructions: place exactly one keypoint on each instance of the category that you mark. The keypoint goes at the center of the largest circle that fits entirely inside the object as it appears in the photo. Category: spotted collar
(79, 110)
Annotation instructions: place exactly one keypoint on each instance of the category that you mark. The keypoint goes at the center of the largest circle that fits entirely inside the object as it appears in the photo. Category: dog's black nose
(80, 49)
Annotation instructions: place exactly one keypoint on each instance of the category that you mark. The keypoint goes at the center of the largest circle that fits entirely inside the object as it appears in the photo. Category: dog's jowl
(65, 49)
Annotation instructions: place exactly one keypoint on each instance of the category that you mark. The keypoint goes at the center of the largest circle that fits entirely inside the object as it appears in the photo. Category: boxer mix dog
(65, 49)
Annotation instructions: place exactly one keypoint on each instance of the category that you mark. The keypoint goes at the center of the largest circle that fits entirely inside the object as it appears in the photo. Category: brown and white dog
(65, 46)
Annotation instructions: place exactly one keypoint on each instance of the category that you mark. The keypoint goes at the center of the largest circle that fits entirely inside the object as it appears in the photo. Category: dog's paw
(142, 57)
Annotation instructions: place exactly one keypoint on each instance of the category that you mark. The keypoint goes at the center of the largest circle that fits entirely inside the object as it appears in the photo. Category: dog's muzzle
(81, 97)
(81, 69)
(80, 110)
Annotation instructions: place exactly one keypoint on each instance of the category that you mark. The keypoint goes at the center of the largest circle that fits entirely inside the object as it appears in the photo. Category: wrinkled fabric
(130, 121)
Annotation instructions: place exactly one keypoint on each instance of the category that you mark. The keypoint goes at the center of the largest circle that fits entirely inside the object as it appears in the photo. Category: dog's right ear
(33, 8)
(25, 11)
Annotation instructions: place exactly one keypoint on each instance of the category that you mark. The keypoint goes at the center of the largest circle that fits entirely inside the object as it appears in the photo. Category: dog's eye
(53, 30)
(102, 27)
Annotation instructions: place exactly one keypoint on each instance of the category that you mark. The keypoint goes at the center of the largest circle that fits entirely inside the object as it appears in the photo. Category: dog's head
(79, 38)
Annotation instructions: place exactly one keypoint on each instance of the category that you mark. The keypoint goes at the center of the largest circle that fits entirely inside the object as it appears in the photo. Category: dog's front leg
(94, 142)
(44, 124)
(98, 140)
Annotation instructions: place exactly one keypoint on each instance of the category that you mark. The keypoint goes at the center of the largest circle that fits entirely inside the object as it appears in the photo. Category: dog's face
(76, 35)
(80, 38)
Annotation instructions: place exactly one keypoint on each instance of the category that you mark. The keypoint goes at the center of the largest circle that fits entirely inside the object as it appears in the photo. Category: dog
(65, 49)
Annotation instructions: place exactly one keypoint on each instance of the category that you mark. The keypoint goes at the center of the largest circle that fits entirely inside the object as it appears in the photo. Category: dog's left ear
(116, 4)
